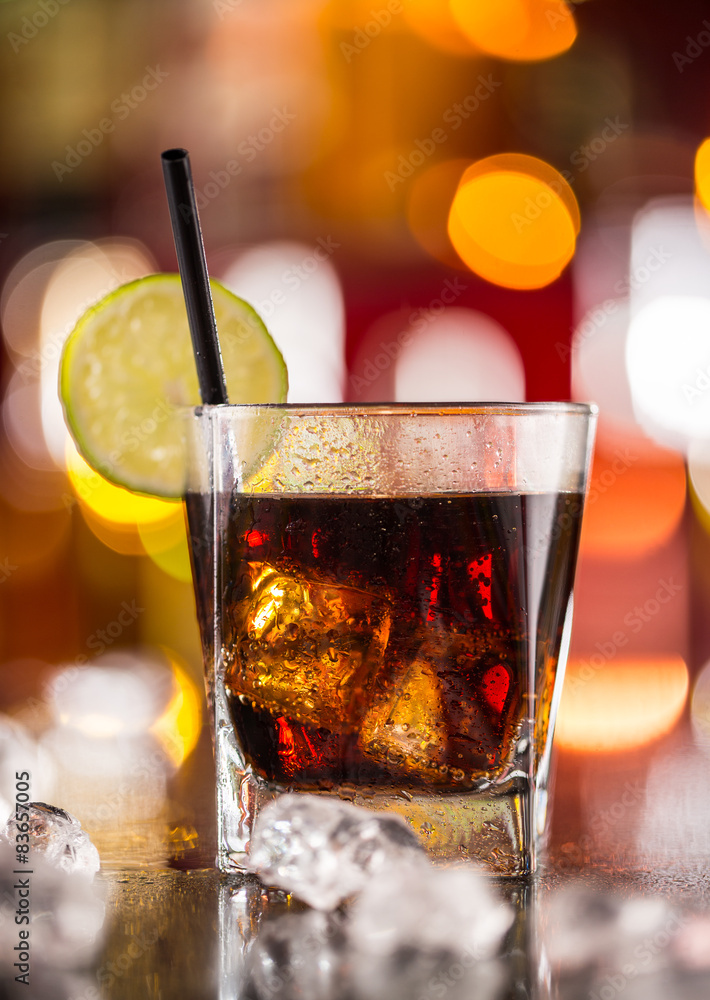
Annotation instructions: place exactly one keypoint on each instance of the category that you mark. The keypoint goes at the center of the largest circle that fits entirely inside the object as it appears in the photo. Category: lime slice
(128, 373)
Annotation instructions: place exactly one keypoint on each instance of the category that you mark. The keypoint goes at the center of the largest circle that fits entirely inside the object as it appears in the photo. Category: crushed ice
(324, 850)
(408, 925)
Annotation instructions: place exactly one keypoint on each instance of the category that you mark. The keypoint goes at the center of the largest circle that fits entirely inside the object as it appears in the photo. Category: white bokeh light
(457, 356)
(295, 289)
(668, 364)
(118, 694)
(669, 253)
(81, 279)
(18, 753)
(598, 364)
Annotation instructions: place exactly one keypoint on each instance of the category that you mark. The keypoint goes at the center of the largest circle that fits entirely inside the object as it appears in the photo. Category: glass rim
(413, 409)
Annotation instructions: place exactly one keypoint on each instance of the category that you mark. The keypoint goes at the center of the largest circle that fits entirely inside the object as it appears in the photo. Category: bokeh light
(514, 221)
(429, 199)
(295, 289)
(115, 696)
(699, 481)
(86, 275)
(122, 723)
(166, 543)
(522, 30)
(668, 364)
(702, 174)
(19, 752)
(113, 503)
(22, 297)
(597, 356)
(178, 728)
(700, 707)
(670, 253)
(434, 22)
(459, 355)
(620, 704)
(634, 504)
(22, 420)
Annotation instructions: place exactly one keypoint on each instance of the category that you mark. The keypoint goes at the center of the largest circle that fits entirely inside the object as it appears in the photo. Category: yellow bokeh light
(166, 544)
(514, 221)
(111, 503)
(621, 703)
(178, 728)
(702, 174)
(520, 30)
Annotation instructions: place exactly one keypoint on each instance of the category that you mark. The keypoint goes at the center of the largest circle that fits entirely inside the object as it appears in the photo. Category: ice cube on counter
(587, 928)
(301, 954)
(324, 850)
(65, 911)
(440, 910)
(57, 836)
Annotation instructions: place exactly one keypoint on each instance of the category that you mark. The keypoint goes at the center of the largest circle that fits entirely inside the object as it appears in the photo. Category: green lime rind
(127, 377)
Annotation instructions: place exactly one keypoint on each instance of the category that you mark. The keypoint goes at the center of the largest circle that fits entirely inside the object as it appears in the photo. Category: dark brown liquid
(392, 641)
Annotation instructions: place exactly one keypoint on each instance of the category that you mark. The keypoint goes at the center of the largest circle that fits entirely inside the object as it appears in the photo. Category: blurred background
(424, 199)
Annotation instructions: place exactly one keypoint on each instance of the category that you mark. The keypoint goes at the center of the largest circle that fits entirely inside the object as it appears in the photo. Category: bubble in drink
(446, 715)
(306, 648)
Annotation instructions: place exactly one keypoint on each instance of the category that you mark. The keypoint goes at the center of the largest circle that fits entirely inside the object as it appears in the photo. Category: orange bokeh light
(433, 21)
(624, 703)
(635, 503)
(702, 174)
(514, 221)
(428, 202)
(521, 30)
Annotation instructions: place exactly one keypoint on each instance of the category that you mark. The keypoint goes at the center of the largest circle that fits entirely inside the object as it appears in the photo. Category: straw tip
(174, 154)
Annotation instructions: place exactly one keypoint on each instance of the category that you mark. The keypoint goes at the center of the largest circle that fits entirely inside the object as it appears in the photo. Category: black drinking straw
(193, 272)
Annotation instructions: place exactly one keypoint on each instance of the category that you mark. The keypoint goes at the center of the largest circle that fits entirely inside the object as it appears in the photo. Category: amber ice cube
(307, 649)
(450, 715)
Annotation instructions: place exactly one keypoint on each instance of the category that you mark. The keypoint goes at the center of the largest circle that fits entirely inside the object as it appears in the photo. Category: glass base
(500, 828)
(490, 828)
